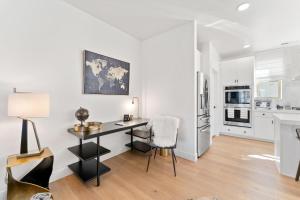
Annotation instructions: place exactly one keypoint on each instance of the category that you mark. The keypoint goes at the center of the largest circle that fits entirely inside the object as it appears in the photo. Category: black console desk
(88, 167)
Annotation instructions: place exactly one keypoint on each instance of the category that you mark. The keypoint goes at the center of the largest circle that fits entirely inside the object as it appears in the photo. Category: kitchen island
(286, 143)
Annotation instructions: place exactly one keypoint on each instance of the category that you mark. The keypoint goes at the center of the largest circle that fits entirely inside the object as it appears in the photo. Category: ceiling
(266, 24)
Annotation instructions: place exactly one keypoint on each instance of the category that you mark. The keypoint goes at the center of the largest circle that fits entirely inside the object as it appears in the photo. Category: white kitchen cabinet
(237, 131)
(238, 71)
(264, 126)
(228, 74)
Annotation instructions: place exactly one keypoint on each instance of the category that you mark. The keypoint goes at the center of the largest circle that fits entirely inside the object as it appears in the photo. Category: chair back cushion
(165, 130)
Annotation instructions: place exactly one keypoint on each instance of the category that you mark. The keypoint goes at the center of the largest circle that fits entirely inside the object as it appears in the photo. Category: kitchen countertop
(277, 111)
(286, 144)
(288, 118)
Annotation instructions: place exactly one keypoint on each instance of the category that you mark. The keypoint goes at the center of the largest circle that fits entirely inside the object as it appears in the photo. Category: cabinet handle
(263, 114)
(272, 122)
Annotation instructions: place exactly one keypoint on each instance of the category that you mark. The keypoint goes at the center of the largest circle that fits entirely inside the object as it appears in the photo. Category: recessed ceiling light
(246, 46)
(243, 7)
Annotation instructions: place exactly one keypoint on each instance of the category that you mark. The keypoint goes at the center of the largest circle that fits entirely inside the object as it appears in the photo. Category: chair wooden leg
(173, 154)
(173, 160)
(155, 152)
(298, 173)
(149, 158)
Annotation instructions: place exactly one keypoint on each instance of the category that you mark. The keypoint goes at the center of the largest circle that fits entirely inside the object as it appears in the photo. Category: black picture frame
(105, 75)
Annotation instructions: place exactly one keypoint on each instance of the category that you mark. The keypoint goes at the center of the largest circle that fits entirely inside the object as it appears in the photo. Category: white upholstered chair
(165, 131)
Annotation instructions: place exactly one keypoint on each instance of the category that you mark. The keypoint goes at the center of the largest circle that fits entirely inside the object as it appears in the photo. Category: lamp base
(31, 154)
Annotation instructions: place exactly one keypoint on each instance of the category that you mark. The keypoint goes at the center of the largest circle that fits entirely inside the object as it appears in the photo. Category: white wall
(210, 57)
(169, 81)
(41, 45)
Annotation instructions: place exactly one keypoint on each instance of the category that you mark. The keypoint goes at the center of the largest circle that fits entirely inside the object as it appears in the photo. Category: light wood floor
(232, 169)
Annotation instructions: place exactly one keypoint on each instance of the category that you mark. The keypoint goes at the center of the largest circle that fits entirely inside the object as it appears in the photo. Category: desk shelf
(140, 146)
(88, 151)
(140, 134)
(87, 170)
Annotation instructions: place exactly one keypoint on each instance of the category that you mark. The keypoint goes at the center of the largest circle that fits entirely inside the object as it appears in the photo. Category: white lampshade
(28, 105)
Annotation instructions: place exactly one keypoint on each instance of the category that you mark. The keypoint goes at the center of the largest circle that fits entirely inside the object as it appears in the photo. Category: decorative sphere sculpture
(82, 114)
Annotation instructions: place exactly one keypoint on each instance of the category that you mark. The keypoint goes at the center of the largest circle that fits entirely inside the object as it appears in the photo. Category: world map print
(105, 75)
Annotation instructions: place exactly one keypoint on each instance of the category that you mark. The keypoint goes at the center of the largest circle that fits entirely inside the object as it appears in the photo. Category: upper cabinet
(237, 71)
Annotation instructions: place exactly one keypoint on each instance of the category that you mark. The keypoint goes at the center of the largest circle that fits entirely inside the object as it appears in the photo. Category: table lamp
(25, 106)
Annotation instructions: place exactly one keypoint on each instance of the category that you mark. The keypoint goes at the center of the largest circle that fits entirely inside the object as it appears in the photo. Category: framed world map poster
(105, 75)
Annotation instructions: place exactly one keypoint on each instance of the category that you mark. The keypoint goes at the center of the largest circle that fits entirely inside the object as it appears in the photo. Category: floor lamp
(26, 106)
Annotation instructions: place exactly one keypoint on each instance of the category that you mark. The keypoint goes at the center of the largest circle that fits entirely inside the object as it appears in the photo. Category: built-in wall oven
(237, 106)
(235, 116)
(239, 96)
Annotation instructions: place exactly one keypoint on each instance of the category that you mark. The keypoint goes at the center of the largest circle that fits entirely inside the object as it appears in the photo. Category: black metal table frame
(131, 127)
(98, 156)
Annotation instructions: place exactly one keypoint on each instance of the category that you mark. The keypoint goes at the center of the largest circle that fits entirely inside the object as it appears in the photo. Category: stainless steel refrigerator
(203, 117)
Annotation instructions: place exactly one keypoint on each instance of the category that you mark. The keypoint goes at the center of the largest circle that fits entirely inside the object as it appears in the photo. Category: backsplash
(291, 93)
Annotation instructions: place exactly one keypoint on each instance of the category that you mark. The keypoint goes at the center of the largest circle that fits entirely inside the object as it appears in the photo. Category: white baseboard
(246, 137)
(185, 155)
(65, 171)
(3, 194)
(60, 173)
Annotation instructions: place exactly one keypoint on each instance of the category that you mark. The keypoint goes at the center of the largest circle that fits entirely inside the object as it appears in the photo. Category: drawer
(263, 114)
(247, 131)
(238, 130)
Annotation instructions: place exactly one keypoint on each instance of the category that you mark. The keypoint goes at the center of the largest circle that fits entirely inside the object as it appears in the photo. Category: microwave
(237, 96)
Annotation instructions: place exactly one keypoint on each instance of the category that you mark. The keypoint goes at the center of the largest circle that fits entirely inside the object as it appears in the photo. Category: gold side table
(20, 190)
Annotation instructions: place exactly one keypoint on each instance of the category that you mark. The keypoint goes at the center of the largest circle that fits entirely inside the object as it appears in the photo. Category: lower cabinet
(264, 128)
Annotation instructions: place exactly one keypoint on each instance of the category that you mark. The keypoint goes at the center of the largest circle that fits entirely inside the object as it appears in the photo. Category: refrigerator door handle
(204, 117)
(205, 130)
(201, 101)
